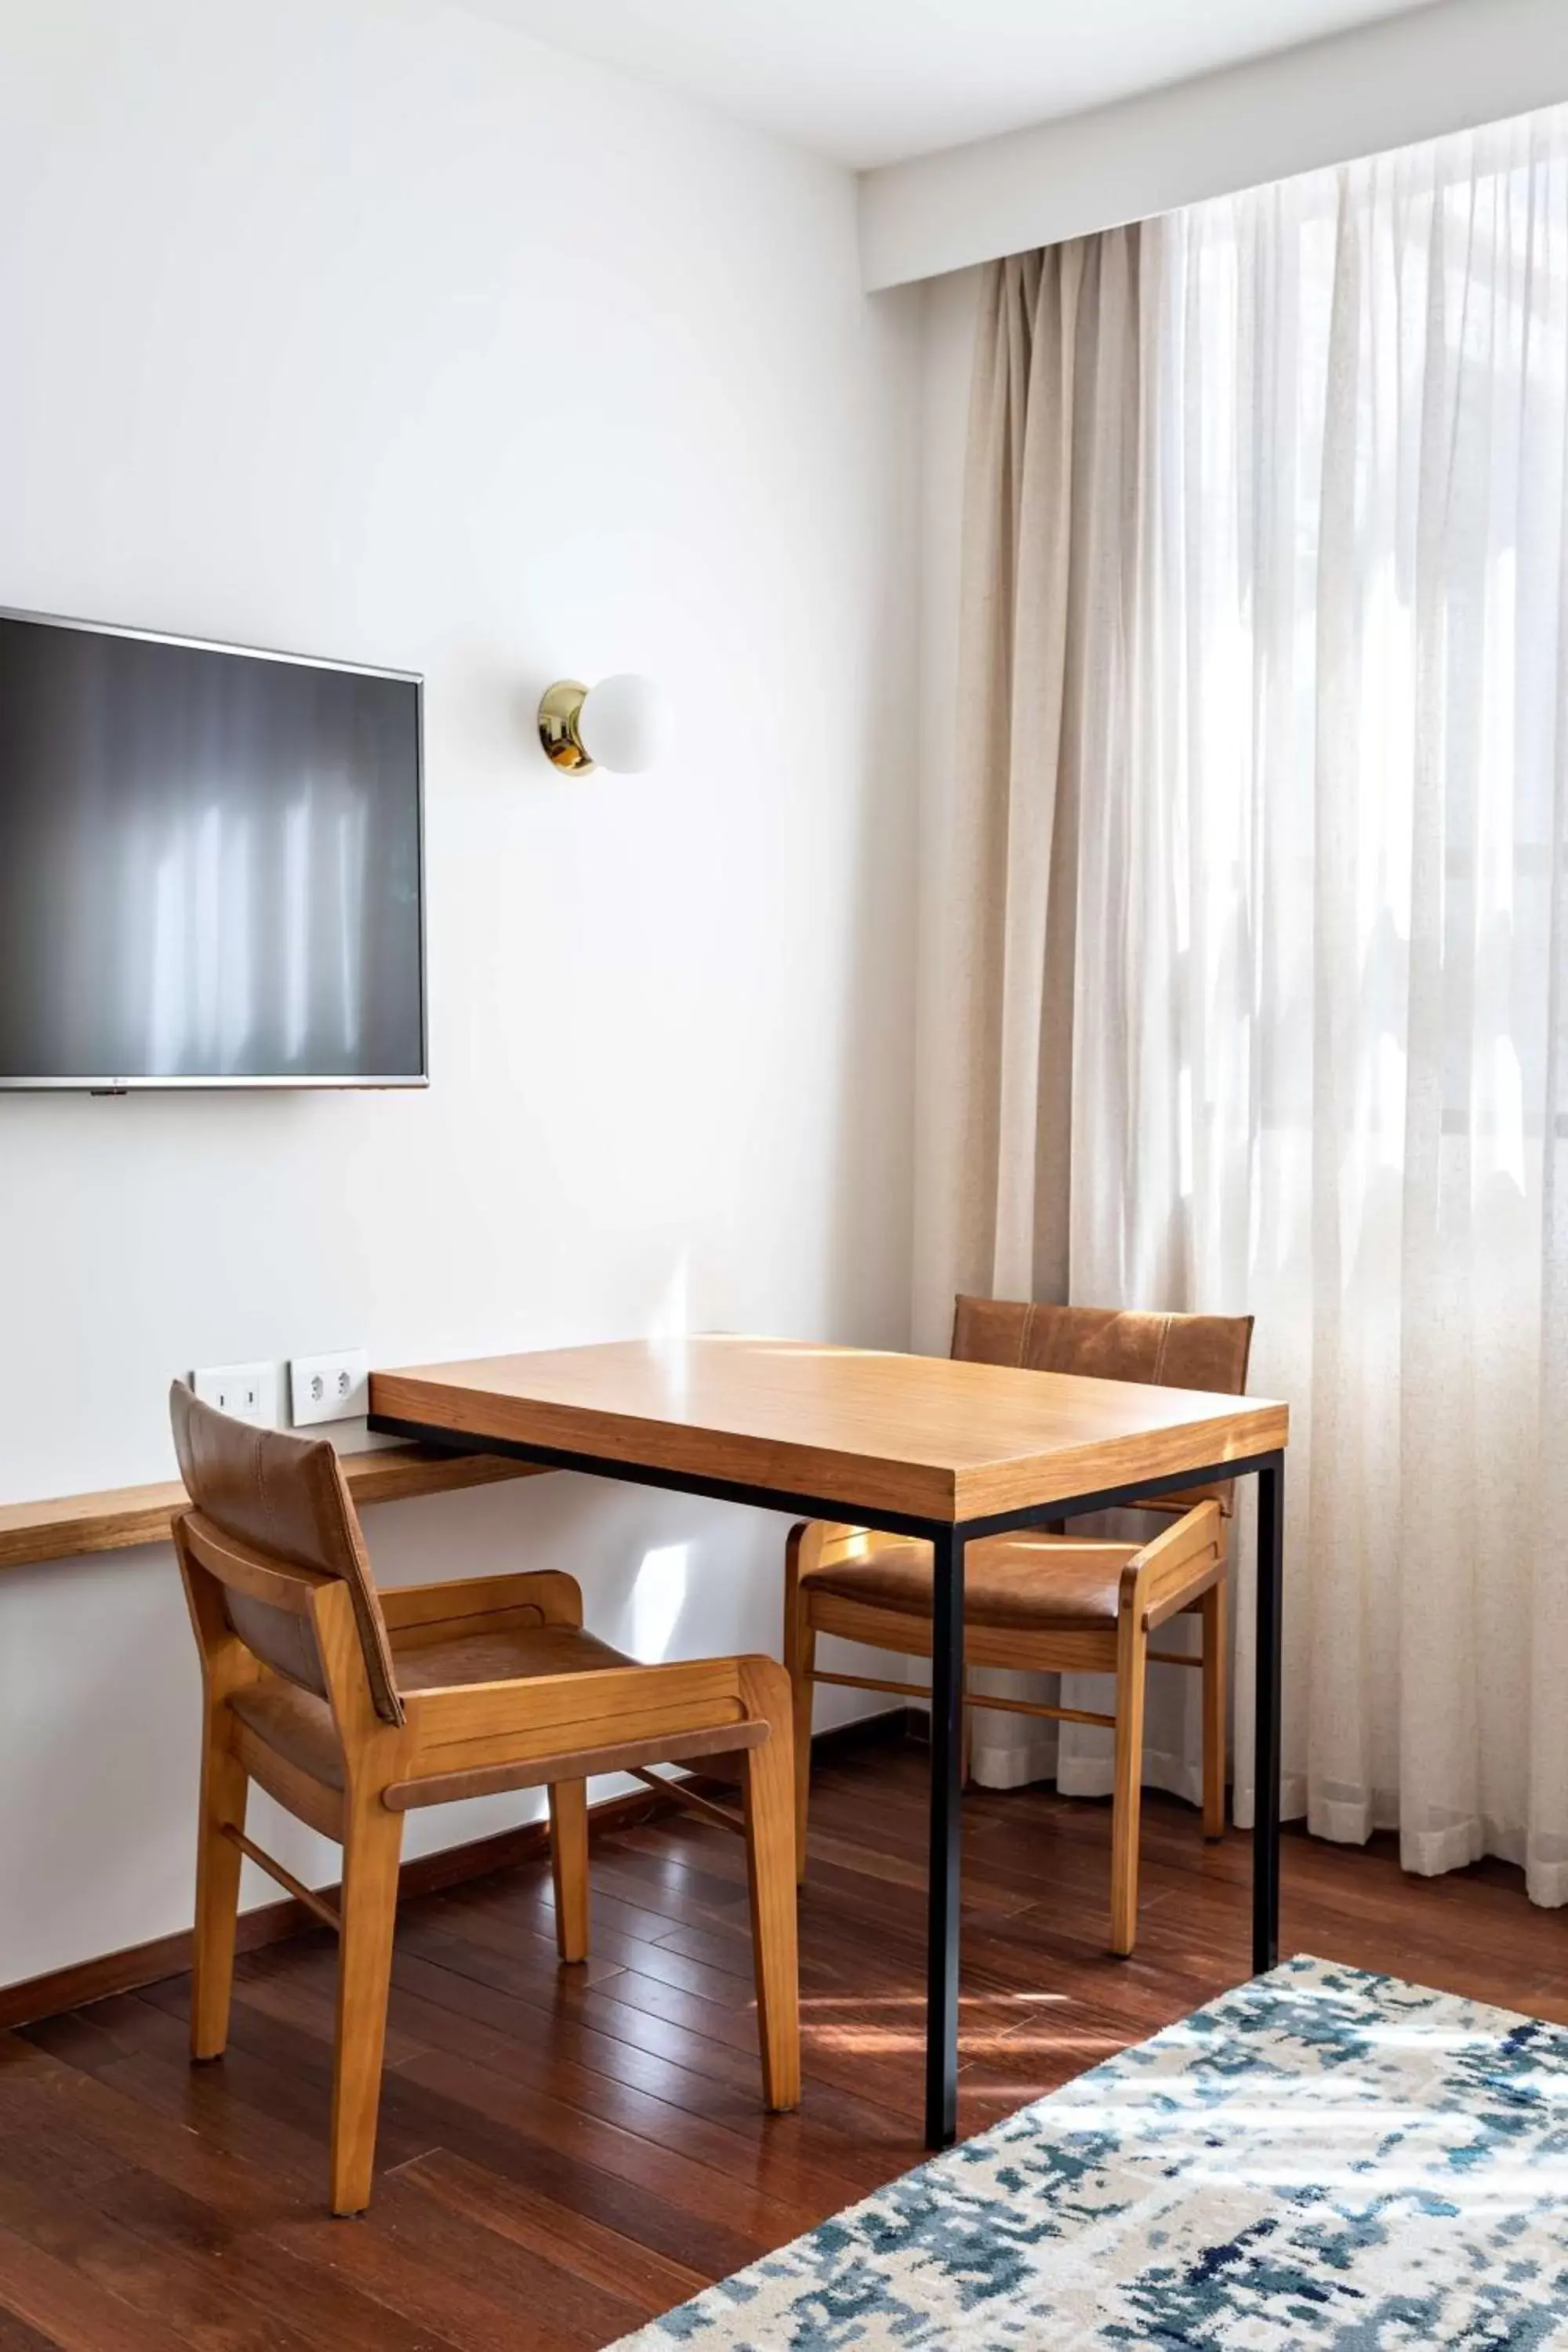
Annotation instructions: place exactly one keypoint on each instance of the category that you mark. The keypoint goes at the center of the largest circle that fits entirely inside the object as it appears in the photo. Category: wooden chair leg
(218, 1863)
(1131, 1666)
(1213, 1610)
(800, 1663)
(770, 1800)
(372, 1848)
(569, 1866)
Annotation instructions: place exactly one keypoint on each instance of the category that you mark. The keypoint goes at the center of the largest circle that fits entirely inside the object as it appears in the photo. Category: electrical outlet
(330, 1388)
(248, 1392)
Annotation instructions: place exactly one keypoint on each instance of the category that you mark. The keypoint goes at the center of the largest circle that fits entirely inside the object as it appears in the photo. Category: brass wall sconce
(621, 724)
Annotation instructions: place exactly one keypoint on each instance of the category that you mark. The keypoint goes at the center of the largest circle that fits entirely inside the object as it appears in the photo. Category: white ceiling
(872, 81)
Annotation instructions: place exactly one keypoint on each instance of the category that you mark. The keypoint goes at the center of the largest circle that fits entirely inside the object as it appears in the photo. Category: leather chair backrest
(1103, 1343)
(285, 1498)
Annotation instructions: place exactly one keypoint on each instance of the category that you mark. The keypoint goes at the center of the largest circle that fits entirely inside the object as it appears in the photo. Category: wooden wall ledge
(66, 1526)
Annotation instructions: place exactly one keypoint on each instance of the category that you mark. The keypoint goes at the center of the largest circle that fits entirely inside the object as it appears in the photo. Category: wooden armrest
(1159, 1580)
(543, 1596)
(475, 1723)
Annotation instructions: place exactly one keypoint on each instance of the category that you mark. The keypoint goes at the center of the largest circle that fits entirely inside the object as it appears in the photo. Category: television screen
(210, 865)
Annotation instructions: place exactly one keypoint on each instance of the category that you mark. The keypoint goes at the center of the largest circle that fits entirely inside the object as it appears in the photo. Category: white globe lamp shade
(624, 723)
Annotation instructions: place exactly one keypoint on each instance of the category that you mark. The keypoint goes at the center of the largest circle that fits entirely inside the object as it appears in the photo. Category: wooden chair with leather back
(1046, 1601)
(351, 1706)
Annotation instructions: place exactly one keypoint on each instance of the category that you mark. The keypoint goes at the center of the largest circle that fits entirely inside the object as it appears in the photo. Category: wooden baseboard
(428, 1874)
(272, 1922)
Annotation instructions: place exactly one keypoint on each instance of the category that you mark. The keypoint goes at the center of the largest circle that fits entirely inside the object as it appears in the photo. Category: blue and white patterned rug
(1321, 2158)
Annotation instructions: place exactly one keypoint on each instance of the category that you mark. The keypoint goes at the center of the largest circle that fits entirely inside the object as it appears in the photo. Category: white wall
(371, 330)
(948, 312)
(1447, 67)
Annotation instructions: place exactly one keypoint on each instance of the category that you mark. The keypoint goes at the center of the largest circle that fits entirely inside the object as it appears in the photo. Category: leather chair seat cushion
(1022, 1583)
(436, 1660)
(298, 1727)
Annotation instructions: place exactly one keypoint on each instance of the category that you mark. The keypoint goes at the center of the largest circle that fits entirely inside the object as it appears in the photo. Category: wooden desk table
(914, 1444)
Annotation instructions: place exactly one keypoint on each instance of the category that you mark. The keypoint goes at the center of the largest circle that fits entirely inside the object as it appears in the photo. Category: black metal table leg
(1265, 1767)
(946, 1755)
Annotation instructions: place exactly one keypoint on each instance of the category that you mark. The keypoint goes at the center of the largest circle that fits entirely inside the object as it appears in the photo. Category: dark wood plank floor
(564, 2153)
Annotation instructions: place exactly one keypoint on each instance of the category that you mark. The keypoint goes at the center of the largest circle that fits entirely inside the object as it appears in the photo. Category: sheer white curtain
(1317, 1054)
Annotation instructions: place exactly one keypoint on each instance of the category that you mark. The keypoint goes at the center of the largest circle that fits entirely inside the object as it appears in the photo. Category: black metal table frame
(948, 1540)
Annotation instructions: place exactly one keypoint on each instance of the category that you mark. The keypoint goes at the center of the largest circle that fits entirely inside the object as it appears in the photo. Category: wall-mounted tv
(211, 865)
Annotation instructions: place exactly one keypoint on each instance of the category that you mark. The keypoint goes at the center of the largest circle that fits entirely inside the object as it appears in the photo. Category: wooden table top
(918, 1435)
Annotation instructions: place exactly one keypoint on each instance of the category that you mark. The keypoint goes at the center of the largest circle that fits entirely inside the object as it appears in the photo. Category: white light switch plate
(248, 1392)
(330, 1388)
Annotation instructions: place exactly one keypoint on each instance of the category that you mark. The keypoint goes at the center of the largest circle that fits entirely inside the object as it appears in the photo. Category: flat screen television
(211, 866)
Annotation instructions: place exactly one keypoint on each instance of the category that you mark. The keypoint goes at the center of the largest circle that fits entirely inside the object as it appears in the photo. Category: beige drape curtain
(1049, 601)
(1048, 620)
(1255, 924)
